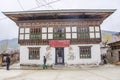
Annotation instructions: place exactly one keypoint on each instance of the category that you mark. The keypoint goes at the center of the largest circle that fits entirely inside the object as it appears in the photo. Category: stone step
(58, 67)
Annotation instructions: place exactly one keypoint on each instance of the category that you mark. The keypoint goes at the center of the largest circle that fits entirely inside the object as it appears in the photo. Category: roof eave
(62, 10)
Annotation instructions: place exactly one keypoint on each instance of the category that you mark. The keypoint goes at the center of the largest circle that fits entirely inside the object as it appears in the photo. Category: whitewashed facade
(69, 58)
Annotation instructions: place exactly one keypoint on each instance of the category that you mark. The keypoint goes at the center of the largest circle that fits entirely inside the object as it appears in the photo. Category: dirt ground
(107, 72)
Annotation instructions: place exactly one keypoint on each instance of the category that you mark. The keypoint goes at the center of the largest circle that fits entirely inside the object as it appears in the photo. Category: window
(74, 35)
(21, 33)
(24, 33)
(44, 32)
(59, 33)
(74, 29)
(97, 35)
(68, 35)
(94, 31)
(35, 33)
(97, 28)
(50, 36)
(27, 30)
(97, 32)
(83, 32)
(21, 37)
(68, 32)
(85, 52)
(91, 28)
(68, 29)
(26, 36)
(50, 29)
(92, 35)
(34, 53)
(50, 33)
(74, 32)
(21, 30)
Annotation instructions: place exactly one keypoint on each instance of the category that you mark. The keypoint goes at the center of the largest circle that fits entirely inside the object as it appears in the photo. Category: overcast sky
(9, 30)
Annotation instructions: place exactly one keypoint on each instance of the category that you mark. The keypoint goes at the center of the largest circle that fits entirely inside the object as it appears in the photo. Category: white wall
(24, 55)
(95, 55)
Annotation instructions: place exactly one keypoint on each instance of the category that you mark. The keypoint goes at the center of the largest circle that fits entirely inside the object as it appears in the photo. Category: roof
(62, 10)
(103, 13)
(117, 43)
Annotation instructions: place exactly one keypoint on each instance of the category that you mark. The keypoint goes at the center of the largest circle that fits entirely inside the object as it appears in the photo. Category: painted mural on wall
(48, 53)
(71, 54)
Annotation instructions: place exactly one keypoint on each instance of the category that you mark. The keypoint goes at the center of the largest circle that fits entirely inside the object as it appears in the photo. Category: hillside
(110, 36)
(109, 32)
(12, 43)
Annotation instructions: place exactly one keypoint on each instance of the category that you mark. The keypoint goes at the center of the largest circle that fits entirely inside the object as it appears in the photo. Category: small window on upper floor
(35, 33)
(83, 32)
(59, 33)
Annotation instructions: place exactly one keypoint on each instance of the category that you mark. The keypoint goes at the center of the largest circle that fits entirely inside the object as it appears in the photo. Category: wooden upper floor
(78, 32)
(78, 26)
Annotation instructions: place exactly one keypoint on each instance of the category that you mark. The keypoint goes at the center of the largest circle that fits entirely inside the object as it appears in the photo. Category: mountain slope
(12, 43)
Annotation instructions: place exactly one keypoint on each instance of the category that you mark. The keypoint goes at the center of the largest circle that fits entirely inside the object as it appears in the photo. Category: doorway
(59, 55)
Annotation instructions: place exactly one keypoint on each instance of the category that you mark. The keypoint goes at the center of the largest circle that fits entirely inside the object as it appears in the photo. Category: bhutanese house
(63, 36)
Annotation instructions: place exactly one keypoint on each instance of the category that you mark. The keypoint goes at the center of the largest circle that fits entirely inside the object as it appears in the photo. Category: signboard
(59, 43)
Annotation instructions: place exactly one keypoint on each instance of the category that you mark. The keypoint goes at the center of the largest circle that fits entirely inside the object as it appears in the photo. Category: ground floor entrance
(59, 55)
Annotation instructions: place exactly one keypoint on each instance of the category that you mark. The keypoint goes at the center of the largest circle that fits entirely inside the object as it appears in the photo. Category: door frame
(56, 62)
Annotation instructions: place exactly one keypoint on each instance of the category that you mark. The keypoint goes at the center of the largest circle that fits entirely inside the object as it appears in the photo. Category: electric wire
(20, 5)
(45, 4)
(34, 7)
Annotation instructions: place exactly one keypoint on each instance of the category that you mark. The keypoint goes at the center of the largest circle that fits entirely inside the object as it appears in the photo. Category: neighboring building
(0, 59)
(108, 37)
(63, 36)
(3, 58)
(13, 54)
(114, 52)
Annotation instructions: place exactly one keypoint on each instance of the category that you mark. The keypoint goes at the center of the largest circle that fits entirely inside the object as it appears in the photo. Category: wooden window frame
(68, 32)
(22, 34)
(35, 52)
(49, 32)
(97, 31)
(36, 32)
(85, 52)
(84, 33)
(58, 33)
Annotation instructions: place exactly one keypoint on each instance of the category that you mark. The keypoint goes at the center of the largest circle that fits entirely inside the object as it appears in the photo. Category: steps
(58, 67)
